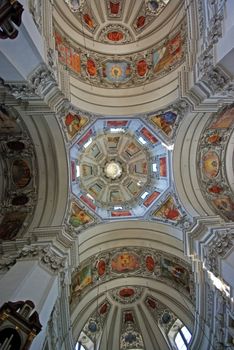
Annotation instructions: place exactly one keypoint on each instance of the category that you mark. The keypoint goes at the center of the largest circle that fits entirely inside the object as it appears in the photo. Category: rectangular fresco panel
(168, 55)
(11, 224)
(88, 202)
(67, 55)
(95, 151)
(116, 123)
(140, 167)
(95, 189)
(225, 120)
(163, 166)
(133, 188)
(113, 141)
(85, 138)
(132, 149)
(118, 214)
(149, 136)
(86, 170)
(73, 170)
(82, 279)
(165, 121)
(151, 198)
(173, 270)
(115, 196)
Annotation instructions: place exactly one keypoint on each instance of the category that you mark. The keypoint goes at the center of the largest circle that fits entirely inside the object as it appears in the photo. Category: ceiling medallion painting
(119, 169)
(114, 8)
(115, 34)
(125, 70)
(213, 162)
(126, 295)
(75, 5)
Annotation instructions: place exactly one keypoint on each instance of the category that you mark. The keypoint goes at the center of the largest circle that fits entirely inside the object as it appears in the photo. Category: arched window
(182, 338)
(79, 346)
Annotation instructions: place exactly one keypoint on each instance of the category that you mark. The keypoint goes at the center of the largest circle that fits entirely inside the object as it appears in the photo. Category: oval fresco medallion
(210, 164)
(101, 267)
(21, 173)
(126, 292)
(150, 263)
(115, 36)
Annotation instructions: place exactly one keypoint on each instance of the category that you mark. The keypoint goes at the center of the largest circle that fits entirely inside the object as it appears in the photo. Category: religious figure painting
(86, 170)
(95, 189)
(116, 71)
(225, 205)
(8, 124)
(11, 224)
(115, 36)
(113, 141)
(115, 196)
(148, 135)
(168, 55)
(176, 272)
(78, 216)
(168, 210)
(74, 123)
(133, 188)
(210, 164)
(132, 149)
(82, 279)
(125, 262)
(165, 121)
(225, 120)
(21, 173)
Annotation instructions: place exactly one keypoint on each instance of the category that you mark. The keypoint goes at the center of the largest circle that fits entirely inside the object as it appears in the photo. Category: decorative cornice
(46, 255)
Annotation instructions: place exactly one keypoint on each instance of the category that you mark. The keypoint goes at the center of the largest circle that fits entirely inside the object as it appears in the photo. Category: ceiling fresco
(130, 302)
(119, 168)
(115, 71)
(128, 262)
(18, 164)
(213, 163)
(114, 10)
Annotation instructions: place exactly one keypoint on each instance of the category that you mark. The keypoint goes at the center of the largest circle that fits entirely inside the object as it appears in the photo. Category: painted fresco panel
(165, 121)
(67, 55)
(149, 136)
(115, 196)
(168, 210)
(95, 190)
(113, 141)
(210, 164)
(118, 214)
(11, 224)
(132, 149)
(21, 174)
(88, 201)
(95, 151)
(86, 170)
(125, 262)
(163, 166)
(116, 71)
(116, 123)
(78, 216)
(8, 124)
(82, 279)
(168, 55)
(150, 199)
(74, 123)
(73, 170)
(85, 138)
(225, 205)
(226, 120)
(172, 270)
(133, 188)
